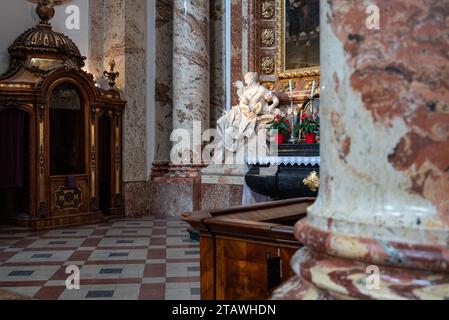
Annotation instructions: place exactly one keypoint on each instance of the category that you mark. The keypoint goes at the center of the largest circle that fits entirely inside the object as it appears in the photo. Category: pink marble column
(176, 189)
(383, 203)
(191, 74)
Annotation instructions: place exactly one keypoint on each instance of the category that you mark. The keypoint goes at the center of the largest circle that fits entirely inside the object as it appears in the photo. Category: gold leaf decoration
(267, 37)
(268, 9)
(267, 65)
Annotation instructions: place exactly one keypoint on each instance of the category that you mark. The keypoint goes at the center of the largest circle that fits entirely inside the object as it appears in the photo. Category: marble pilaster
(94, 63)
(163, 91)
(383, 204)
(242, 41)
(236, 46)
(217, 60)
(118, 33)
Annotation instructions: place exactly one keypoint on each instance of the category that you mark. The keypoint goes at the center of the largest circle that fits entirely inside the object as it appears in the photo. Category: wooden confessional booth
(60, 135)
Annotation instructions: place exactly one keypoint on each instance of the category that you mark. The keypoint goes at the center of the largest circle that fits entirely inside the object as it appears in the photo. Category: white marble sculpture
(257, 107)
(244, 122)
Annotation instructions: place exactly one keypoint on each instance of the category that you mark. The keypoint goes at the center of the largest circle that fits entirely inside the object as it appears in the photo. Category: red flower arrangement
(310, 127)
(282, 125)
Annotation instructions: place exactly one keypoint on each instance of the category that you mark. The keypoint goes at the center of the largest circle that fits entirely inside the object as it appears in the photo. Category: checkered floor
(130, 259)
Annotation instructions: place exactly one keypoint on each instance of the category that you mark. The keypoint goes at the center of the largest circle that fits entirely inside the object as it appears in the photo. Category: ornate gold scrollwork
(267, 65)
(268, 85)
(93, 155)
(312, 181)
(42, 160)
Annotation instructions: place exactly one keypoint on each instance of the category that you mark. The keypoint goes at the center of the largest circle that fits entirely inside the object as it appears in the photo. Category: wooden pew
(246, 251)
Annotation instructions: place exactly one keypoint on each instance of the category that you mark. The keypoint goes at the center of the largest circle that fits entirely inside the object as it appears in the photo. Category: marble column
(191, 74)
(179, 189)
(380, 226)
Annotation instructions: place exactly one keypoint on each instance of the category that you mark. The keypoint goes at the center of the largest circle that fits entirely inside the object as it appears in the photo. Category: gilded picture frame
(282, 71)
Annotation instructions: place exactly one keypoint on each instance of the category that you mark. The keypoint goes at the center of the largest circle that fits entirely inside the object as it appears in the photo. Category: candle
(291, 88)
(313, 89)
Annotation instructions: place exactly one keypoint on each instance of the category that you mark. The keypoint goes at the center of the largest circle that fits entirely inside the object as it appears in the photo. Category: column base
(333, 266)
(136, 199)
(220, 196)
(222, 186)
(175, 190)
(324, 277)
(173, 197)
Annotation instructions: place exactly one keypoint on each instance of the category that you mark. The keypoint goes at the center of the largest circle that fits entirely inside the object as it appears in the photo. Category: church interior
(177, 150)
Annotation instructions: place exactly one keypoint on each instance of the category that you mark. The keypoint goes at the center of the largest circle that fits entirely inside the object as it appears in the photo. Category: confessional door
(68, 141)
(105, 155)
(14, 163)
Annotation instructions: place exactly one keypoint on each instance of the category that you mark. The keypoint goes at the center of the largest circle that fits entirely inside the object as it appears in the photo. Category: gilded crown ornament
(45, 9)
(31, 49)
(112, 75)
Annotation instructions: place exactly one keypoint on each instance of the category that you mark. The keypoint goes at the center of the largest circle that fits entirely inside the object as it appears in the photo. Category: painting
(298, 24)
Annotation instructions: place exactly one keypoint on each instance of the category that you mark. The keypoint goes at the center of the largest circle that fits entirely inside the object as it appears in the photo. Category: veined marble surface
(379, 228)
(217, 60)
(335, 278)
(124, 24)
(96, 38)
(164, 94)
(118, 32)
(191, 87)
(385, 132)
(223, 174)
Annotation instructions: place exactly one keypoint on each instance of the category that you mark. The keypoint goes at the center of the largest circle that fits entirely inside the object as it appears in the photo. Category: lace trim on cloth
(283, 160)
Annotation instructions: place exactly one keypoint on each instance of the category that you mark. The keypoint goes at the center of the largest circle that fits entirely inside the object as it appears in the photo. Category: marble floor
(128, 259)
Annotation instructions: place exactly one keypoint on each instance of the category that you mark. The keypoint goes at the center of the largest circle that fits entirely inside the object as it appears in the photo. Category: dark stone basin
(287, 182)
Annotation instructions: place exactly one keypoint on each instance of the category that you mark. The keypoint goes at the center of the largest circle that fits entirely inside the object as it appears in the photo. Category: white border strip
(151, 83)
(228, 55)
(245, 32)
